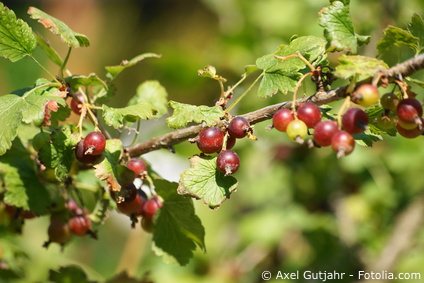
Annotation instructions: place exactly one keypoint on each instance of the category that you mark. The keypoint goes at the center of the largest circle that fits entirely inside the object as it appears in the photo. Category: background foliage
(295, 208)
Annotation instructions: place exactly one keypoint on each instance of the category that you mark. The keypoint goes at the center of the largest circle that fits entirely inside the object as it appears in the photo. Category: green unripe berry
(297, 130)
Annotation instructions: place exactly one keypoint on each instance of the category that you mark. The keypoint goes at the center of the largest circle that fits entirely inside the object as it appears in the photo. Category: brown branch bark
(168, 140)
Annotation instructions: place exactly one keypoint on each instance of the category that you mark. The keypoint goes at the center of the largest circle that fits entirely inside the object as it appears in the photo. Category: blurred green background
(296, 208)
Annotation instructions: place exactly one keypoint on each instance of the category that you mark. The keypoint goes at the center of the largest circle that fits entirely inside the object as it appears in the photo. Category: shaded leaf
(86, 80)
(203, 181)
(186, 113)
(69, 274)
(49, 51)
(177, 229)
(416, 28)
(338, 28)
(71, 38)
(362, 67)
(11, 117)
(154, 94)
(16, 37)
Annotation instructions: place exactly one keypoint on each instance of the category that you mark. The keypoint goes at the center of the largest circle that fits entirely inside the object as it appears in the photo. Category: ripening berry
(389, 101)
(210, 140)
(94, 143)
(137, 165)
(366, 95)
(342, 143)
(231, 141)
(58, 231)
(151, 207)
(297, 130)
(239, 127)
(79, 225)
(77, 103)
(409, 133)
(354, 121)
(324, 132)
(85, 158)
(133, 206)
(409, 110)
(228, 162)
(281, 119)
(309, 113)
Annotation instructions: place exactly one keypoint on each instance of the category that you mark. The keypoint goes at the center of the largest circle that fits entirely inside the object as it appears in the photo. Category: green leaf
(362, 67)
(85, 81)
(71, 38)
(154, 94)
(416, 28)
(69, 274)
(58, 153)
(114, 71)
(11, 117)
(203, 181)
(177, 229)
(117, 117)
(273, 83)
(16, 37)
(367, 138)
(186, 113)
(49, 51)
(34, 101)
(394, 36)
(22, 186)
(338, 28)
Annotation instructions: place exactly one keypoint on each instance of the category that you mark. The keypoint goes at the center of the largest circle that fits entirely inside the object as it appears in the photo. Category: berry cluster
(211, 140)
(136, 199)
(73, 220)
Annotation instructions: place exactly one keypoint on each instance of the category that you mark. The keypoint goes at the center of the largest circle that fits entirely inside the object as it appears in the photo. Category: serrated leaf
(16, 37)
(69, 274)
(11, 117)
(395, 36)
(186, 113)
(49, 51)
(58, 153)
(116, 117)
(416, 28)
(367, 138)
(361, 67)
(273, 83)
(86, 80)
(204, 182)
(22, 186)
(177, 229)
(338, 28)
(71, 38)
(114, 71)
(34, 101)
(110, 169)
(154, 94)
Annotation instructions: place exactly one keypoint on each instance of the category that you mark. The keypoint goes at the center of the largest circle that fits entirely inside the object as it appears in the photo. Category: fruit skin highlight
(228, 162)
(309, 113)
(324, 132)
(210, 140)
(366, 95)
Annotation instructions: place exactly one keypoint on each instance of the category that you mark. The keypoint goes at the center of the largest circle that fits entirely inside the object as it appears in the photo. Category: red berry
(366, 95)
(342, 143)
(73, 208)
(281, 119)
(228, 162)
(309, 113)
(79, 225)
(151, 207)
(82, 157)
(239, 127)
(354, 121)
(324, 131)
(94, 143)
(231, 141)
(137, 165)
(210, 140)
(410, 110)
(410, 134)
(132, 207)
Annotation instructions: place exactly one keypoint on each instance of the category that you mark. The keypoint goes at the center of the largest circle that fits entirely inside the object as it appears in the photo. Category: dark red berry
(281, 119)
(354, 121)
(231, 141)
(309, 113)
(239, 127)
(82, 157)
(151, 207)
(409, 110)
(228, 162)
(79, 225)
(137, 165)
(411, 133)
(132, 207)
(343, 143)
(94, 143)
(324, 132)
(210, 140)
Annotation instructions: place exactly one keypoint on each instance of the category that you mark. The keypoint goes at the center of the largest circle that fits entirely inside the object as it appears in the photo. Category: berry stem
(244, 93)
(65, 62)
(296, 90)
